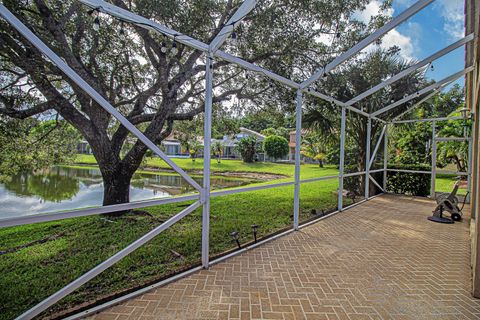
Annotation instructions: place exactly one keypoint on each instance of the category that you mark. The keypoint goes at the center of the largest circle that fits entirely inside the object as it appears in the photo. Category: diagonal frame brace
(412, 69)
(140, 21)
(229, 27)
(376, 183)
(419, 5)
(69, 72)
(377, 146)
(72, 286)
(435, 92)
(436, 85)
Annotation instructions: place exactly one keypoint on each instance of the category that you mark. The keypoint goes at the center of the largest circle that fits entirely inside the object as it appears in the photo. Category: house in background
(292, 144)
(83, 147)
(229, 143)
(172, 146)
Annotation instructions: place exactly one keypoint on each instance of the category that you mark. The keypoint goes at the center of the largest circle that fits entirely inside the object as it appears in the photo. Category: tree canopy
(154, 81)
(275, 146)
(29, 145)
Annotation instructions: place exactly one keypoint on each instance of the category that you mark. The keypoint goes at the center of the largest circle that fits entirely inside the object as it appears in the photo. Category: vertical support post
(434, 160)
(205, 198)
(298, 141)
(385, 158)
(367, 158)
(342, 160)
(469, 170)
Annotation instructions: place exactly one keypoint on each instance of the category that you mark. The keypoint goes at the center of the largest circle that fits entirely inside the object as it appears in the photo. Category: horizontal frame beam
(409, 171)
(429, 172)
(54, 216)
(428, 120)
(446, 139)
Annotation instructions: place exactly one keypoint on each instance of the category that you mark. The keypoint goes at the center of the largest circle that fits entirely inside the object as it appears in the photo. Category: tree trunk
(116, 174)
(116, 189)
(361, 167)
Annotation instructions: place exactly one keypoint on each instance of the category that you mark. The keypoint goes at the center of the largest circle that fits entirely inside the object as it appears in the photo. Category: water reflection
(64, 188)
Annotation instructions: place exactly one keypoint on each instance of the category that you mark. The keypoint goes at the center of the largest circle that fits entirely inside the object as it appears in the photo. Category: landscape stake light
(235, 237)
(163, 47)
(96, 23)
(254, 228)
(122, 31)
(233, 36)
(174, 47)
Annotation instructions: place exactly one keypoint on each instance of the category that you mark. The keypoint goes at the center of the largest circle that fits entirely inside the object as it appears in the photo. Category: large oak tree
(151, 86)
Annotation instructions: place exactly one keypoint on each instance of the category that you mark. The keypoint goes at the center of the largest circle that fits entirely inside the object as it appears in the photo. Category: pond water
(66, 188)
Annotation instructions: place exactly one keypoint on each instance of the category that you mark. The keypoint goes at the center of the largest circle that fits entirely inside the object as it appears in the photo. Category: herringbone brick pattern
(378, 260)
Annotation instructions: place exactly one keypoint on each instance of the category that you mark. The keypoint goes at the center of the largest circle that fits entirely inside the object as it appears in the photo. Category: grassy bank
(71, 247)
(42, 258)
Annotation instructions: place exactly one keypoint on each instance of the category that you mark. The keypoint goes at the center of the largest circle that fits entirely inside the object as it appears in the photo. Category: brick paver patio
(378, 260)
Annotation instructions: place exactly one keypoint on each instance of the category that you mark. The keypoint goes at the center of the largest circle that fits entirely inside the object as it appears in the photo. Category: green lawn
(31, 274)
(224, 166)
(445, 183)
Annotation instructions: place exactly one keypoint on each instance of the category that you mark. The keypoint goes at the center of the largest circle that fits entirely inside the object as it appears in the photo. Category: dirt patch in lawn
(250, 175)
(260, 176)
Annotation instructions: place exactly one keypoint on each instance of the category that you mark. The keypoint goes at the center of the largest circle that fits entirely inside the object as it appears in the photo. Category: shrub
(415, 184)
(275, 146)
(247, 147)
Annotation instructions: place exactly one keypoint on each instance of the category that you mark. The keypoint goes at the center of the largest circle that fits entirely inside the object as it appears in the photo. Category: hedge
(415, 184)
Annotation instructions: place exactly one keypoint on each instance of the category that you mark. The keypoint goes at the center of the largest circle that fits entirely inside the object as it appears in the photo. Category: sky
(430, 30)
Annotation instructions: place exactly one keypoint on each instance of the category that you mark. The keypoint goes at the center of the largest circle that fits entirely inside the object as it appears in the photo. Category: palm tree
(351, 81)
(217, 149)
(313, 146)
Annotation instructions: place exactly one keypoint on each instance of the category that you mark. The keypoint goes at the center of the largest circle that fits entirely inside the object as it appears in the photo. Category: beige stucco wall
(472, 94)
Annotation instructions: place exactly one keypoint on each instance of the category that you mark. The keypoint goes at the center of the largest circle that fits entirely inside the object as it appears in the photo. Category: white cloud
(395, 38)
(392, 38)
(371, 9)
(452, 12)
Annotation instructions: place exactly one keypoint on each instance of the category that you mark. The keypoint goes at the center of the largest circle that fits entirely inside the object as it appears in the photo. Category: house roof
(251, 132)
